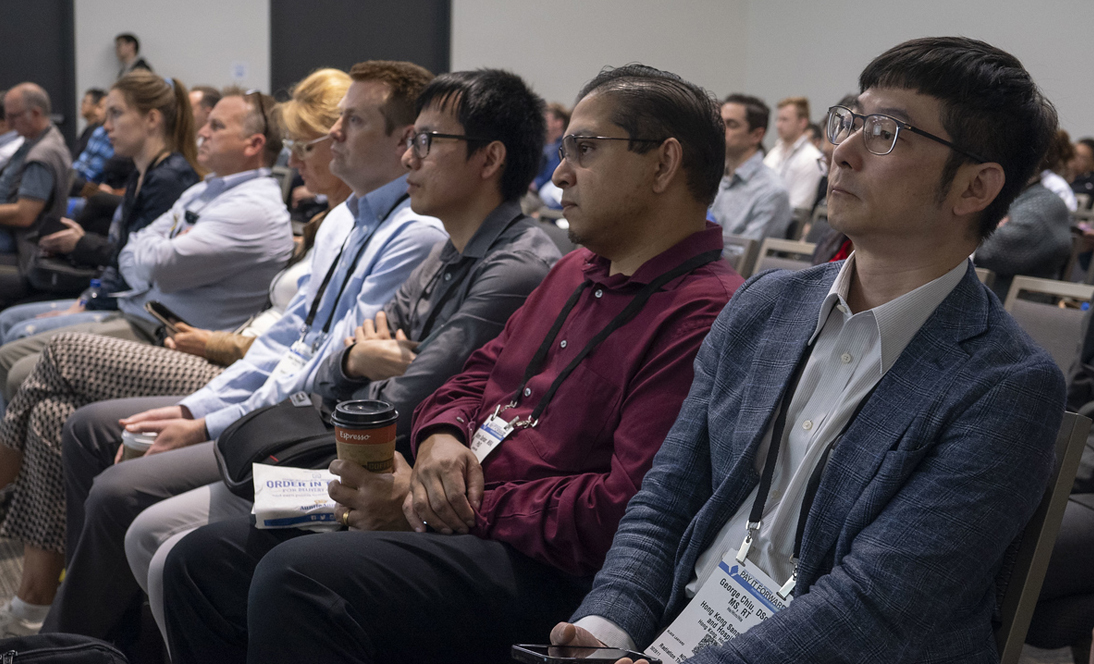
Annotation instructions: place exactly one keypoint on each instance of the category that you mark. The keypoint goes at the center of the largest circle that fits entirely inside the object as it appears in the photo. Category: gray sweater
(1035, 241)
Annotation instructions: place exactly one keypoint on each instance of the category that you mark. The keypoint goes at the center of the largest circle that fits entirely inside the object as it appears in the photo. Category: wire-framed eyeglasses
(303, 149)
(879, 131)
(423, 140)
(575, 148)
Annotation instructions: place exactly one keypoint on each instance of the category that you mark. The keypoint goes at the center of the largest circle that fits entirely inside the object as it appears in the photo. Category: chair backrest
(740, 253)
(797, 223)
(785, 255)
(284, 176)
(1082, 215)
(1034, 545)
(1067, 272)
(1057, 329)
(986, 276)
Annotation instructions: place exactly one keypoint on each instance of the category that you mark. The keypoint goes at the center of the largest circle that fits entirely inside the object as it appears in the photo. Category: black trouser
(102, 500)
(356, 597)
(1065, 609)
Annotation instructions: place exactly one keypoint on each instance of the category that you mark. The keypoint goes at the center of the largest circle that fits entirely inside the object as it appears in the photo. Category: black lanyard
(349, 274)
(756, 515)
(622, 318)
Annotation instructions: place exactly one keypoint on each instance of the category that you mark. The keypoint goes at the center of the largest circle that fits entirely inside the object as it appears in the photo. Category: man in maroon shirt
(525, 461)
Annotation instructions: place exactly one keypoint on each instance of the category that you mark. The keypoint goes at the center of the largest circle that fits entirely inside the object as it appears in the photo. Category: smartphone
(543, 654)
(164, 315)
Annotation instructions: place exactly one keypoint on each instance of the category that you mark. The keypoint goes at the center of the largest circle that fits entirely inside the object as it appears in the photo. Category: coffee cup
(364, 432)
(136, 444)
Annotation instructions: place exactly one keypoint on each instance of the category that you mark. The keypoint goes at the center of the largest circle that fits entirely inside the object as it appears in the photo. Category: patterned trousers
(75, 370)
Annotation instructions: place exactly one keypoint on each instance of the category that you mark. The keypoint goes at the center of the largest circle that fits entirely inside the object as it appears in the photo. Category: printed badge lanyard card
(755, 517)
(300, 353)
(495, 429)
(742, 598)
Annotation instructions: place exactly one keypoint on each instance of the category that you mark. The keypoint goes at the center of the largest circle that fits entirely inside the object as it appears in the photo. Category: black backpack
(59, 648)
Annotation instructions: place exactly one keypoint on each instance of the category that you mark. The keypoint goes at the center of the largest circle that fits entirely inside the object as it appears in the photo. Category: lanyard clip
(784, 592)
(750, 529)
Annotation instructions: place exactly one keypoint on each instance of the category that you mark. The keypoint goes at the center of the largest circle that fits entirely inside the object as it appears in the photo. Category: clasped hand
(375, 354)
(446, 486)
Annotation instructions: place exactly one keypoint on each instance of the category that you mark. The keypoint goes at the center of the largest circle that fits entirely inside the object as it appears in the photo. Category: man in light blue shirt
(385, 242)
(752, 200)
(210, 258)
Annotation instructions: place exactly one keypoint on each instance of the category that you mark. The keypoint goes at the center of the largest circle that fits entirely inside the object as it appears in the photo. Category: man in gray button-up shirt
(462, 295)
(752, 200)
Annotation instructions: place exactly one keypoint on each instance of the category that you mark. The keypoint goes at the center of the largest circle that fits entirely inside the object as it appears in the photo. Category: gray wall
(773, 48)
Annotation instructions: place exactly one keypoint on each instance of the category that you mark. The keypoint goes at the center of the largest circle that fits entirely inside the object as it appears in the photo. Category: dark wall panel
(339, 33)
(37, 44)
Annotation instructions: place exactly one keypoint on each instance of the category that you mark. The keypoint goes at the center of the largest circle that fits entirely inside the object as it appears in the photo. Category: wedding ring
(345, 518)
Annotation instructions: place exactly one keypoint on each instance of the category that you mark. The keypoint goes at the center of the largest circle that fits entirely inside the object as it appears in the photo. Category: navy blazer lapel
(782, 335)
(786, 332)
(925, 370)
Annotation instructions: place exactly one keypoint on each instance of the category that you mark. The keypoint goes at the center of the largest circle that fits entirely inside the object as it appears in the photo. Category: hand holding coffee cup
(135, 444)
(364, 433)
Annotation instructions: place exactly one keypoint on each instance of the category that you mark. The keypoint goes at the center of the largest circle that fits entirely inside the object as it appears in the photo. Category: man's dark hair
(130, 38)
(495, 105)
(655, 104)
(209, 95)
(96, 94)
(990, 107)
(756, 111)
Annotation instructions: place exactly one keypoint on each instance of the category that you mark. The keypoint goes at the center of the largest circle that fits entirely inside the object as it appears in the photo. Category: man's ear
(758, 134)
(978, 184)
(493, 159)
(670, 157)
(256, 143)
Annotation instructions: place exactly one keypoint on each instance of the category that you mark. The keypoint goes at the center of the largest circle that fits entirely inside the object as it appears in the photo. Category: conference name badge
(736, 598)
(490, 434)
(294, 359)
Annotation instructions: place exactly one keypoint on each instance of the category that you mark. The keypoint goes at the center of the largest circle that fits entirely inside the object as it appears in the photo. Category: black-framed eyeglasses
(423, 140)
(879, 131)
(303, 149)
(572, 148)
(261, 111)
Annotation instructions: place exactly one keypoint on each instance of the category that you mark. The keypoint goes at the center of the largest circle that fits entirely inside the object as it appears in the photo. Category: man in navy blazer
(924, 412)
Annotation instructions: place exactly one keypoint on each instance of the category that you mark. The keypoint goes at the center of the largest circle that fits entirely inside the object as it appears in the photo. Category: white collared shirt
(797, 165)
(851, 353)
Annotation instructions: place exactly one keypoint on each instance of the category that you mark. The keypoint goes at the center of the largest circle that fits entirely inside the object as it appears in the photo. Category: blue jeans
(20, 321)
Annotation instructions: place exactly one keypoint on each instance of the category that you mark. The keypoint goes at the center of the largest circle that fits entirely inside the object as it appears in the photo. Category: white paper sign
(735, 598)
(292, 498)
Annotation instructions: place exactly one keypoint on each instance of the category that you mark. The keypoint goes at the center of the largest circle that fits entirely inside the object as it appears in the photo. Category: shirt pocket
(575, 431)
